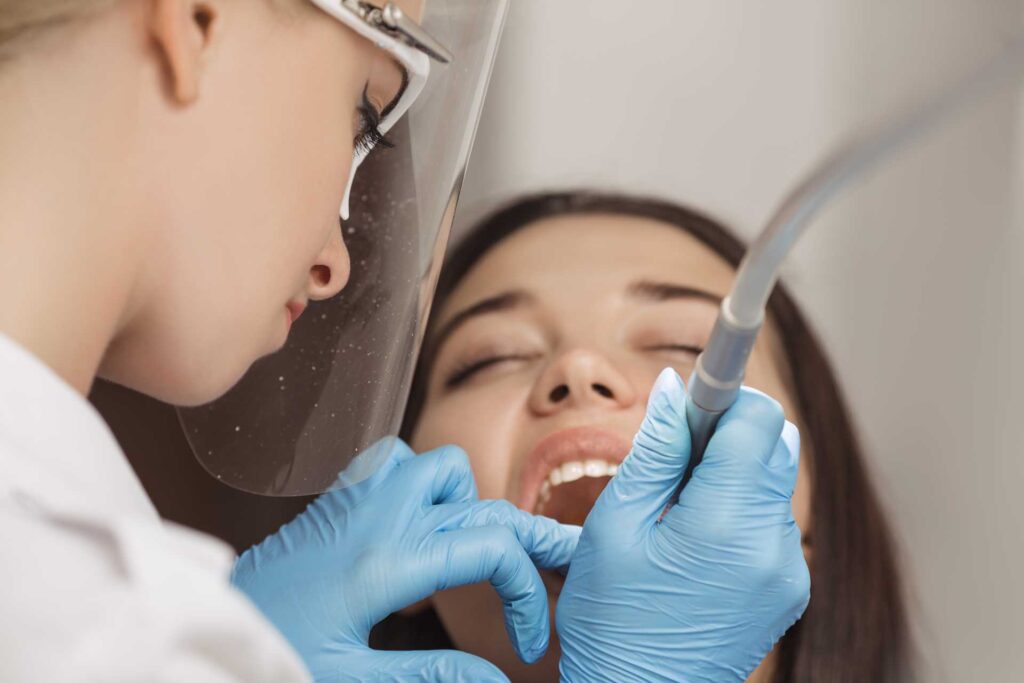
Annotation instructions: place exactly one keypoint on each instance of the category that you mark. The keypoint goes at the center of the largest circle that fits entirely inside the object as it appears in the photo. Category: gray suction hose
(718, 375)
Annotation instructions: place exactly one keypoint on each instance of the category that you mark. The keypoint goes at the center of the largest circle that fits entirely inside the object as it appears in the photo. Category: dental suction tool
(718, 374)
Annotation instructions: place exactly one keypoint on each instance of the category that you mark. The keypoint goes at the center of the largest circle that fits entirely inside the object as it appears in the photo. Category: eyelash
(369, 135)
(463, 372)
(688, 348)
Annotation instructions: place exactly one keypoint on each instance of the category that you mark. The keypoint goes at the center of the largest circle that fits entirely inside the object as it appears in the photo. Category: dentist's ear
(184, 31)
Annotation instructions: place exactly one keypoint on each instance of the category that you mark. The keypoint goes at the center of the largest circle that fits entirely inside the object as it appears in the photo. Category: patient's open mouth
(571, 490)
(566, 472)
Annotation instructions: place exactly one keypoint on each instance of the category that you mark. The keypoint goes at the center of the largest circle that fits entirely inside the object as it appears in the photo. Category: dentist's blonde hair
(20, 18)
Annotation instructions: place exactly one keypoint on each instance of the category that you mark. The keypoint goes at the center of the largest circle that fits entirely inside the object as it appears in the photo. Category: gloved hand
(414, 527)
(704, 593)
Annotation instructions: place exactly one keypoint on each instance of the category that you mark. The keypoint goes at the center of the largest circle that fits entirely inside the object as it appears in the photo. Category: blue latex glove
(703, 594)
(413, 528)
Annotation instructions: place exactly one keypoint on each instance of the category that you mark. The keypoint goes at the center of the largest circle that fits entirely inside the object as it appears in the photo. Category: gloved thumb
(742, 453)
(648, 478)
(747, 474)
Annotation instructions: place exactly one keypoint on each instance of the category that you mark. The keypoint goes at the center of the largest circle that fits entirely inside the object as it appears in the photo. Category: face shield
(299, 418)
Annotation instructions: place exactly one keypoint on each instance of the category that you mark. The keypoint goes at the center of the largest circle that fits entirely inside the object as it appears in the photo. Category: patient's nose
(581, 379)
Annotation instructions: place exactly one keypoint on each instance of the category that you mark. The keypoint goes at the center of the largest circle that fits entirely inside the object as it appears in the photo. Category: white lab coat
(93, 585)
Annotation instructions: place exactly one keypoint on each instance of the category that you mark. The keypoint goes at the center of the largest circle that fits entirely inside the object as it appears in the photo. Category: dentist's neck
(70, 249)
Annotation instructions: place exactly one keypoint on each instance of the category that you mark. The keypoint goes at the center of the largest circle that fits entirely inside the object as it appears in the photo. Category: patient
(550, 325)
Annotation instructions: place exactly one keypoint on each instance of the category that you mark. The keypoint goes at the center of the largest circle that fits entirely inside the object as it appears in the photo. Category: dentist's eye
(369, 135)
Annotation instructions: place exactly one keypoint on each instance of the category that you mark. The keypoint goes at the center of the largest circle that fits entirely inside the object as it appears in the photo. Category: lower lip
(580, 443)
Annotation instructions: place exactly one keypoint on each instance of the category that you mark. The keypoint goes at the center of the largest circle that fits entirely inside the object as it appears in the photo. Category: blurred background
(915, 279)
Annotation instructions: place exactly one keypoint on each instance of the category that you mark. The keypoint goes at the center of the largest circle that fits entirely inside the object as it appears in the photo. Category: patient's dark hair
(855, 628)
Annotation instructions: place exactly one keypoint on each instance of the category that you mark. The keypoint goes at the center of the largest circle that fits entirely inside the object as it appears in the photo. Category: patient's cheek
(489, 468)
(485, 428)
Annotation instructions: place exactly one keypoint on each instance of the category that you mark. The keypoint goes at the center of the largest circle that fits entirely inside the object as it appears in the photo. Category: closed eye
(689, 349)
(464, 372)
(685, 348)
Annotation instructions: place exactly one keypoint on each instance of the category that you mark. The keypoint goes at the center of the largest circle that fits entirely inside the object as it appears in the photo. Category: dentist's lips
(566, 471)
(295, 310)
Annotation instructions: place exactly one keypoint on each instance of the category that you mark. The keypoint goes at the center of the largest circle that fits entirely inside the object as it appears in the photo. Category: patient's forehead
(592, 254)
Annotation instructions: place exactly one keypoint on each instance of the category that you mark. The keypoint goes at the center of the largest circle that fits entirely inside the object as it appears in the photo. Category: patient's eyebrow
(500, 302)
(667, 291)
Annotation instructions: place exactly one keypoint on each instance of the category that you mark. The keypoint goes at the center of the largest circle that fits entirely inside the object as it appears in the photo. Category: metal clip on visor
(392, 20)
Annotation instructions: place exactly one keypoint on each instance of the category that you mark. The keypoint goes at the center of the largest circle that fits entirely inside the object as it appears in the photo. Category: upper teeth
(576, 469)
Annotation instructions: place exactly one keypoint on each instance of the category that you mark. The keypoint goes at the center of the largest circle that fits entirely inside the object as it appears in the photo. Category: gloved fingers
(492, 553)
(433, 666)
(723, 507)
(736, 460)
(549, 543)
(442, 475)
(735, 490)
(649, 476)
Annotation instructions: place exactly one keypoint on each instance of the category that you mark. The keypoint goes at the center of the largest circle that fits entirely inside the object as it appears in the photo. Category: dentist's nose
(330, 272)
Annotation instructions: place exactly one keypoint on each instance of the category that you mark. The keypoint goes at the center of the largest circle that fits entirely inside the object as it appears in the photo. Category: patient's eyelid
(464, 371)
(687, 348)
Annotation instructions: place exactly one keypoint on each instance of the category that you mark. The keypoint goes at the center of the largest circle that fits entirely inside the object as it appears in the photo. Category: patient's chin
(571, 502)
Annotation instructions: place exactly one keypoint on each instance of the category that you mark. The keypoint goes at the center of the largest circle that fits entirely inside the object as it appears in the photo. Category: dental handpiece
(718, 374)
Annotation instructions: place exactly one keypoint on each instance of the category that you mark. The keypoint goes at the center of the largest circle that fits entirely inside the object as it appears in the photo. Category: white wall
(915, 279)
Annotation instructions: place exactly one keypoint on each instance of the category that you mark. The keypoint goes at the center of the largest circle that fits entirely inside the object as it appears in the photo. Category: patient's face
(554, 340)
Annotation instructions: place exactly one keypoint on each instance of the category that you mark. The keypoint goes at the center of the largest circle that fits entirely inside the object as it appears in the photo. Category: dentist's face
(548, 351)
(244, 185)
